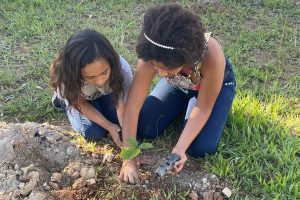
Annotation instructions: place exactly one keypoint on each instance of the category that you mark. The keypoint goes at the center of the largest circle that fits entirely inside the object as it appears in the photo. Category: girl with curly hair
(196, 78)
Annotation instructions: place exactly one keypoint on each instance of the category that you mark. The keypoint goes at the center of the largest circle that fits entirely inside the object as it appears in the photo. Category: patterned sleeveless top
(185, 83)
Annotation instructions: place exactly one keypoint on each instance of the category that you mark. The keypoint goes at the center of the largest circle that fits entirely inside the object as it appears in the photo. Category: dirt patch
(44, 163)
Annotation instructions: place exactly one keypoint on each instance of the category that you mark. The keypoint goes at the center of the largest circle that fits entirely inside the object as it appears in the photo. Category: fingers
(136, 178)
(131, 179)
(121, 175)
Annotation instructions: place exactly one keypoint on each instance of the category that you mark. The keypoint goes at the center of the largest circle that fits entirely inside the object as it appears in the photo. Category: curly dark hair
(82, 48)
(171, 25)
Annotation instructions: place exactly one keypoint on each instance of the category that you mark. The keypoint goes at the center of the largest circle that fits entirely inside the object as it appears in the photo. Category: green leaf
(132, 142)
(127, 153)
(146, 146)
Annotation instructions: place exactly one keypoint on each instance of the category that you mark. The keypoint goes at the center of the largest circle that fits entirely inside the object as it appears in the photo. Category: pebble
(56, 177)
(79, 183)
(227, 192)
(193, 195)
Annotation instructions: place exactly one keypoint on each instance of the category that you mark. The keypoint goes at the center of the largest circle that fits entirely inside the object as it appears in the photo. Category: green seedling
(134, 149)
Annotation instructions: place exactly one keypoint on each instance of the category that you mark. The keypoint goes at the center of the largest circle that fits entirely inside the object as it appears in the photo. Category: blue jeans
(165, 103)
(87, 128)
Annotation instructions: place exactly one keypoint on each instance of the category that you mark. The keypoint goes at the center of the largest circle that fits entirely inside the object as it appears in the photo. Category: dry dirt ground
(41, 161)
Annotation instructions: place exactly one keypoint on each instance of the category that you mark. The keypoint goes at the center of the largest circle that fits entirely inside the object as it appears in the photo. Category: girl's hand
(114, 130)
(180, 163)
(130, 172)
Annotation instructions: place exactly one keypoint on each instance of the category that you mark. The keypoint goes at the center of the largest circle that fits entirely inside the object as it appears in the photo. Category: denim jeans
(165, 103)
(90, 130)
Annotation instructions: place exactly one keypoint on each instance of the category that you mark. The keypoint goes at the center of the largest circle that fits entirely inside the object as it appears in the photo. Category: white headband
(160, 45)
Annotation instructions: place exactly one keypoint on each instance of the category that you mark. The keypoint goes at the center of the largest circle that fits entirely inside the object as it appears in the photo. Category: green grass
(259, 151)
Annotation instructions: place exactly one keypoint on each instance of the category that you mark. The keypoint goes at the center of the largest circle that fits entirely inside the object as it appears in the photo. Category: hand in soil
(130, 172)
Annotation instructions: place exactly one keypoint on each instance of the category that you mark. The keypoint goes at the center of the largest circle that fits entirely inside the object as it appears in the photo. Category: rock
(208, 195)
(50, 139)
(56, 177)
(75, 175)
(193, 195)
(204, 180)
(16, 167)
(107, 157)
(54, 186)
(7, 153)
(17, 193)
(46, 187)
(91, 181)
(26, 169)
(37, 196)
(34, 175)
(21, 185)
(96, 156)
(88, 172)
(70, 150)
(218, 196)
(79, 183)
(26, 190)
(2, 176)
(147, 181)
(96, 161)
(12, 135)
(227, 192)
(24, 178)
(213, 176)
(88, 162)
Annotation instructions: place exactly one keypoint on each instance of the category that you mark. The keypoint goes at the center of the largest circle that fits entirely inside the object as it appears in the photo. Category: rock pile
(36, 159)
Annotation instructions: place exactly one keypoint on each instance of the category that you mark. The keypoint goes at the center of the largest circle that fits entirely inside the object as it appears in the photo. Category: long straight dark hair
(82, 48)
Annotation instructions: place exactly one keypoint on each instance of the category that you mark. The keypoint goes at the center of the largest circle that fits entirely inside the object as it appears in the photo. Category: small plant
(134, 149)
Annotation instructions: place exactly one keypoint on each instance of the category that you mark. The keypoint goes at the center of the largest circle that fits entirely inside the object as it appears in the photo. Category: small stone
(2, 176)
(218, 196)
(96, 161)
(95, 155)
(208, 195)
(50, 139)
(17, 193)
(26, 190)
(7, 153)
(82, 153)
(88, 172)
(70, 150)
(146, 181)
(108, 157)
(204, 180)
(21, 185)
(75, 175)
(56, 177)
(37, 196)
(79, 183)
(26, 169)
(227, 192)
(34, 175)
(88, 162)
(54, 186)
(193, 195)
(91, 181)
(46, 188)
(16, 167)
(56, 150)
